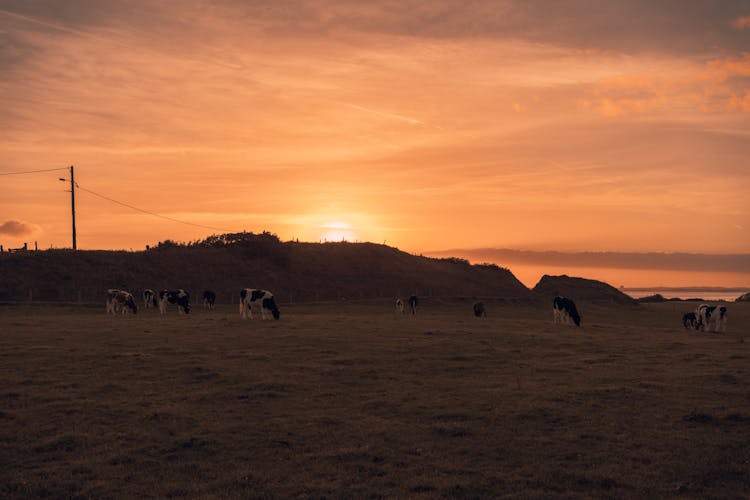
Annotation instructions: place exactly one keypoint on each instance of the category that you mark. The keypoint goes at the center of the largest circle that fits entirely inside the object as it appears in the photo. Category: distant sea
(709, 293)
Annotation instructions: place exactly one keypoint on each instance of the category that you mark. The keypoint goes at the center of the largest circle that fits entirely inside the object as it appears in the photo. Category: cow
(209, 298)
(711, 318)
(265, 298)
(479, 309)
(690, 321)
(565, 311)
(399, 306)
(178, 297)
(413, 304)
(120, 302)
(149, 298)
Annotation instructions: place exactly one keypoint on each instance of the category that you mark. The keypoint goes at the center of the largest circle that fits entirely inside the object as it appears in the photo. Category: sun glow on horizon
(337, 231)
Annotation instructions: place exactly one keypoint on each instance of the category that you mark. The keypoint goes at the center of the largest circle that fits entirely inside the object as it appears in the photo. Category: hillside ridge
(294, 271)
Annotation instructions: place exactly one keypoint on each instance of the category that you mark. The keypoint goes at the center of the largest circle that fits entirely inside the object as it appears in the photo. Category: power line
(77, 186)
(149, 212)
(33, 171)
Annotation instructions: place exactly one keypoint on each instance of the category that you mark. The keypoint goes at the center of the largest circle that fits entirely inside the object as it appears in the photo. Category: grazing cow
(120, 301)
(209, 298)
(690, 321)
(413, 304)
(565, 311)
(479, 310)
(179, 297)
(149, 298)
(711, 318)
(267, 303)
(399, 306)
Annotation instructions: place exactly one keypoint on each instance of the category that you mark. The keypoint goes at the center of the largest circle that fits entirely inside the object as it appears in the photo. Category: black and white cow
(248, 296)
(479, 309)
(399, 306)
(413, 304)
(149, 298)
(120, 302)
(209, 298)
(690, 321)
(565, 311)
(711, 318)
(178, 297)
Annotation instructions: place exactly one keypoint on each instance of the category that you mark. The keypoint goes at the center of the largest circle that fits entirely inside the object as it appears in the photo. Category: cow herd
(123, 302)
(705, 318)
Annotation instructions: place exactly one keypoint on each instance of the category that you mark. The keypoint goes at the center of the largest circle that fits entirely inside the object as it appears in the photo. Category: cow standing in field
(399, 306)
(149, 298)
(413, 304)
(711, 318)
(479, 310)
(178, 297)
(248, 296)
(564, 311)
(209, 298)
(120, 302)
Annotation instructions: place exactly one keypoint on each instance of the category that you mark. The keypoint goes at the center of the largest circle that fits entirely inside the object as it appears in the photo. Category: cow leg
(246, 310)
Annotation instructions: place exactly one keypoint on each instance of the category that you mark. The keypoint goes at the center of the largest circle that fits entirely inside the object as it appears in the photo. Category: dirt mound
(743, 298)
(580, 289)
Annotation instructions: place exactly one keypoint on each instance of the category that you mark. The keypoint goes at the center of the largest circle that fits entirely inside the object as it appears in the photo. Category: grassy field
(349, 400)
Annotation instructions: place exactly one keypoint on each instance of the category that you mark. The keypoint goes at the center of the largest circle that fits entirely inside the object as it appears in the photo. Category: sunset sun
(337, 231)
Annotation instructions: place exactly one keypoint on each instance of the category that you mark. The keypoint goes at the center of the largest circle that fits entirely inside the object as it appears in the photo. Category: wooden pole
(73, 204)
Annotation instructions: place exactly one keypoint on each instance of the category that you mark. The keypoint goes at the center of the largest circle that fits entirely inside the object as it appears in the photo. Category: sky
(577, 125)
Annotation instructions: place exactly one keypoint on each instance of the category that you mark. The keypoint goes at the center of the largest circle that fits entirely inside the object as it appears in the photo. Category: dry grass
(348, 400)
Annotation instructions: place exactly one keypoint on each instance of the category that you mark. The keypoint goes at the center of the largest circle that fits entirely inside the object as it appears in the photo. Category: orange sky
(621, 126)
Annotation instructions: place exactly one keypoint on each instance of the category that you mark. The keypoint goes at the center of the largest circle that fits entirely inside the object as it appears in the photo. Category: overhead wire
(148, 211)
(154, 214)
(34, 171)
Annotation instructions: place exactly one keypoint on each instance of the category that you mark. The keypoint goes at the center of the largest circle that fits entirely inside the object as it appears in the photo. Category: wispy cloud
(393, 116)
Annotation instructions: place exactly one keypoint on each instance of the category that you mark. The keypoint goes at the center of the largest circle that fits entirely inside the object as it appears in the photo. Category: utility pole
(72, 202)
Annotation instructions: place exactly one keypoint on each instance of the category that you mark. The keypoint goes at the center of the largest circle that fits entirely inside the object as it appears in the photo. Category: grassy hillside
(581, 289)
(226, 263)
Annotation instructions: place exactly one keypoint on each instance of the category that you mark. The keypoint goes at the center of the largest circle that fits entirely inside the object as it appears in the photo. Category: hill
(581, 289)
(226, 263)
